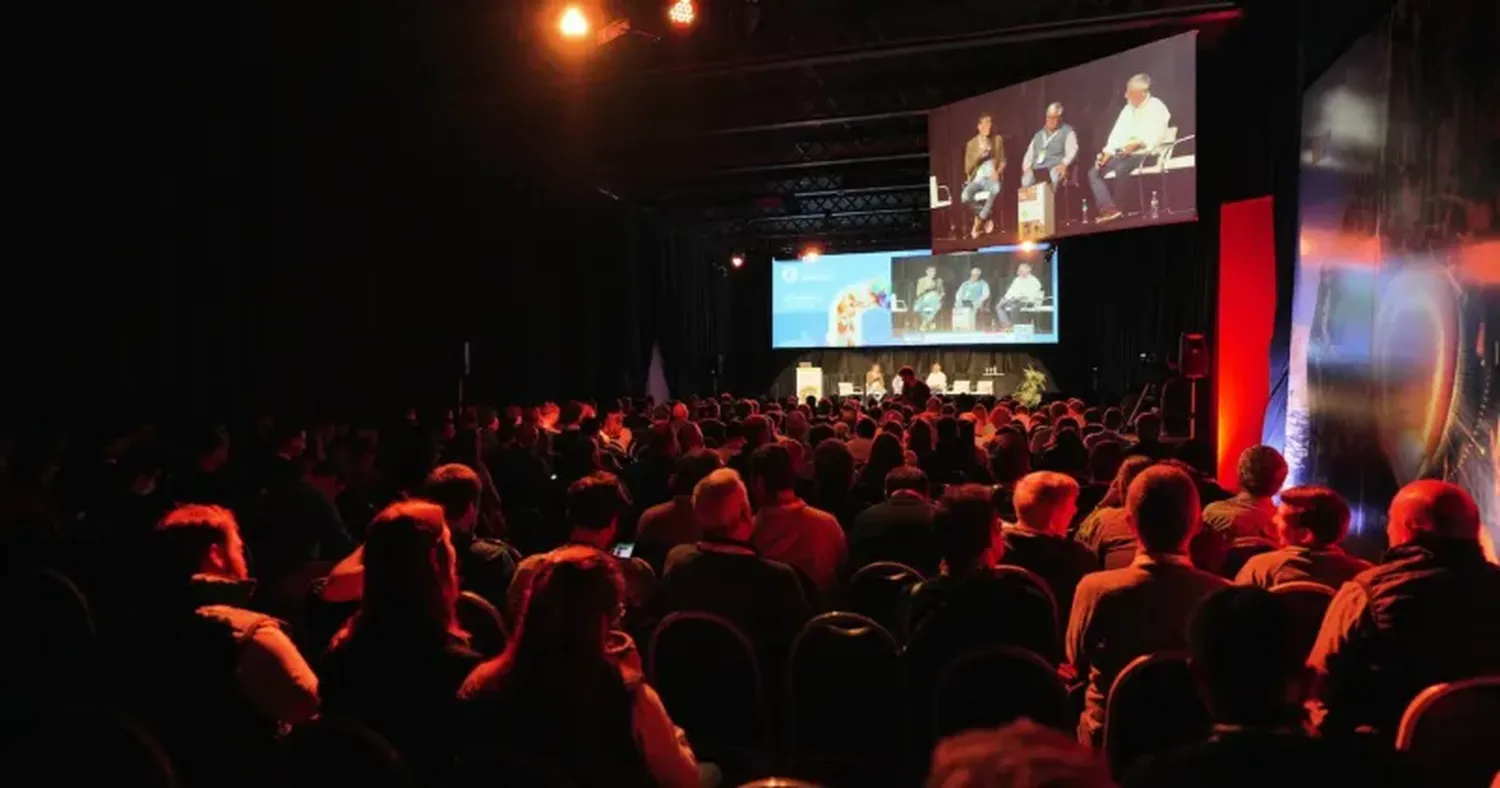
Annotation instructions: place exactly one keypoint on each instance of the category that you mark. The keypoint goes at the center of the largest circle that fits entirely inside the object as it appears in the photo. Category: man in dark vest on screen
(1052, 150)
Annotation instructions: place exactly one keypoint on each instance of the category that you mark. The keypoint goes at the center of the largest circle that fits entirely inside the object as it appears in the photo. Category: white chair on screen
(985, 387)
(938, 195)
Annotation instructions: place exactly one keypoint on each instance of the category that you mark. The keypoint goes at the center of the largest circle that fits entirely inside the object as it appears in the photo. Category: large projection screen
(994, 296)
(1112, 142)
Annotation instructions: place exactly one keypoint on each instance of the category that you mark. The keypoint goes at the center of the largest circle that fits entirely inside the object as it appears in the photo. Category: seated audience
(970, 604)
(568, 690)
(1010, 461)
(1251, 513)
(1310, 522)
(1148, 437)
(898, 529)
(885, 456)
(667, 525)
(1022, 754)
(1038, 541)
(1428, 613)
(864, 438)
(1106, 531)
(787, 529)
(1121, 614)
(595, 504)
(1252, 680)
(724, 574)
(398, 662)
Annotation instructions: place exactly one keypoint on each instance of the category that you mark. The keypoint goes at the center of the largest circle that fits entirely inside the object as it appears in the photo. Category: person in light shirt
(1024, 291)
(1138, 131)
(972, 295)
(1052, 149)
(937, 380)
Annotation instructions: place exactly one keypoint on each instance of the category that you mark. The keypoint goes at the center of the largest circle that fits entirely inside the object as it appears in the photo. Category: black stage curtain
(974, 366)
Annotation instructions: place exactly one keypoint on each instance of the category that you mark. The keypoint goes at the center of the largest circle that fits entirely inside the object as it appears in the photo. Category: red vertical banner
(1247, 313)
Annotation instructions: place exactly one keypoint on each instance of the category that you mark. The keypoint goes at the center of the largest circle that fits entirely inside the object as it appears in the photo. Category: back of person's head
(1092, 416)
(906, 372)
(410, 580)
(865, 428)
(965, 525)
(1105, 459)
(570, 413)
(1435, 509)
(824, 431)
(757, 430)
(1046, 501)
(919, 437)
(456, 488)
(1114, 419)
(691, 468)
(713, 432)
(833, 466)
(689, 436)
(1022, 754)
(197, 539)
(1148, 427)
(1058, 409)
(1262, 470)
(1312, 515)
(734, 431)
(906, 477)
(1129, 469)
(1164, 509)
(596, 501)
(1198, 456)
(1010, 457)
(722, 505)
(661, 440)
(1247, 666)
(773, 469)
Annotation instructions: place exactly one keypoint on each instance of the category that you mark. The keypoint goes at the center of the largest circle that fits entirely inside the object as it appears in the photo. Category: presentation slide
(995, 296)
(1107, 145)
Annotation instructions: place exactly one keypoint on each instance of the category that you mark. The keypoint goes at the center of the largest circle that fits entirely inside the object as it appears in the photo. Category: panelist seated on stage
(1138, 131)
(937, 380)
(1052, 150)
(1025, 292)
(984, 169)
(875, 381)
(929, 300)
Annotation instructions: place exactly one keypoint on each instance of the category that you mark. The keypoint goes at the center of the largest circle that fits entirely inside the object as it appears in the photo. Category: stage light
(737, 261)
(811, 254)
(1028, 246)
(682, 13)
(573, 23)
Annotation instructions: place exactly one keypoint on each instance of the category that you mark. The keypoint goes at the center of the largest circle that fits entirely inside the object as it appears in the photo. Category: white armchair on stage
(959, 387)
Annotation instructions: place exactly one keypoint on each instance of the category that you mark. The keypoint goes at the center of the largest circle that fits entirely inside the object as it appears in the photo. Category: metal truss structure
(785, 123)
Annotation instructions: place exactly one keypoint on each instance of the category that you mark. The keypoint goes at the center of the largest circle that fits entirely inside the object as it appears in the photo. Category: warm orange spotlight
(1028, 246)
(811, 254)
(737, 261)
(682, 13)
(573, 23)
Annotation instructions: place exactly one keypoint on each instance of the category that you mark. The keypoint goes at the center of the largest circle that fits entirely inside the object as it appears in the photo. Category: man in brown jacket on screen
(984, 164)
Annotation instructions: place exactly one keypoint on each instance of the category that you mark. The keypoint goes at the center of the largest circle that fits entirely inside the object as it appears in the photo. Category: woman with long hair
(397, 663)
(885, 456)
(1107, 530)
(567, 691)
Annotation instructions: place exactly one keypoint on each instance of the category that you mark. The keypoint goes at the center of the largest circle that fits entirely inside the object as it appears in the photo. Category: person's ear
(217, 559)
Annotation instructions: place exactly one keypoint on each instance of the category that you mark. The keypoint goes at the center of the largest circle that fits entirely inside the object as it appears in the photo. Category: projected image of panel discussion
(1110, 144)
(994, 296)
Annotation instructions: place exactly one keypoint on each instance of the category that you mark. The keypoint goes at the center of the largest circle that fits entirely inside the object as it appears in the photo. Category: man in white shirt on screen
(1138, 131)
(937, 380)
(1025, 291)
(1052, 149)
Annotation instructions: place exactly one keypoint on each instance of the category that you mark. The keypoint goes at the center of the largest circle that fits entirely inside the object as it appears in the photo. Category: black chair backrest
(1306, 603)
(50, 631)
(85, 745)
(876, 591)
(1449, 732)
(992, 686)
(1041, 584)
(706, 672)
(339, 751)
(487, 634)
(1152, 707)
(846, 689)
(1241, 551)
(501, 769)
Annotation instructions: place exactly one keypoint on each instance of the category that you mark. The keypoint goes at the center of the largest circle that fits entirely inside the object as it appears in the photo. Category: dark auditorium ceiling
(774, 124)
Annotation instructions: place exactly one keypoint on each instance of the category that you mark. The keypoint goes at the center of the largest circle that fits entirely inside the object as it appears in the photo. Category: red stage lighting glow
(573, 23)
(682, 13)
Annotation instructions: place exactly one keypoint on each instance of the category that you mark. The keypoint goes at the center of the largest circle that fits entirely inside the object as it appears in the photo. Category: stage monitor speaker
(1192, 356)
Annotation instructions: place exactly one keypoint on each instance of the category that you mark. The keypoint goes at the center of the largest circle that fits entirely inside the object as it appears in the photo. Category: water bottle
(1085, 211)
(1155, 206)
